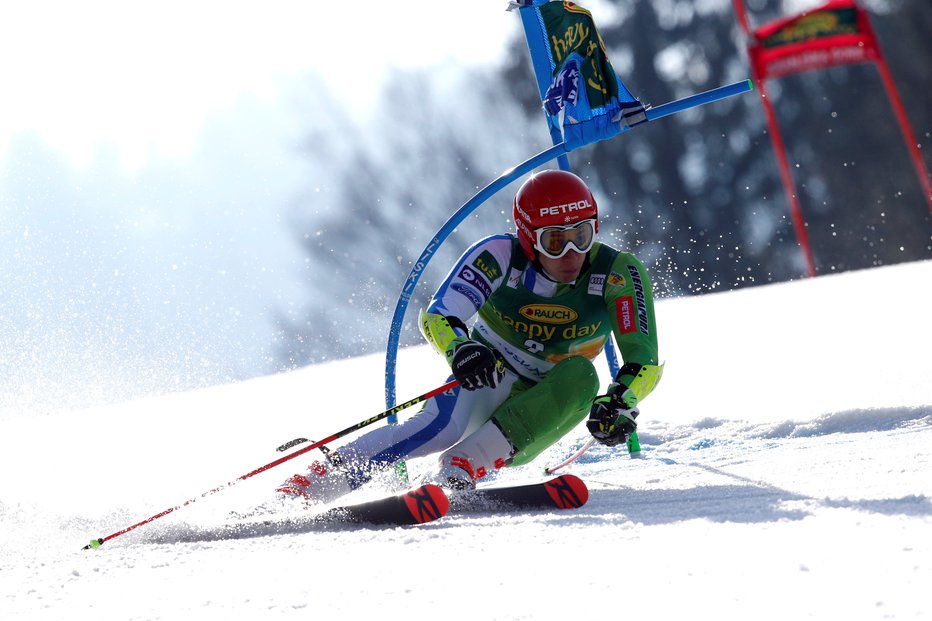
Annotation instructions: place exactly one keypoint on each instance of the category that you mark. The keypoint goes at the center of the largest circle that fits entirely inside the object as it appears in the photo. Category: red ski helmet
(551, 198)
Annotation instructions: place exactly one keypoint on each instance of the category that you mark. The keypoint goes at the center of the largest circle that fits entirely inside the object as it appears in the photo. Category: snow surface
(785, 474)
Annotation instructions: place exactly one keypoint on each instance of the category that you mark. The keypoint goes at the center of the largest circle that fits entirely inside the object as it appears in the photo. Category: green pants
(535, 417)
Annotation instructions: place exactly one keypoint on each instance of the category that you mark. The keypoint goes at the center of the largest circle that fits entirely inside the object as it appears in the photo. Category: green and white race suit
(547, 332)
(535, 322)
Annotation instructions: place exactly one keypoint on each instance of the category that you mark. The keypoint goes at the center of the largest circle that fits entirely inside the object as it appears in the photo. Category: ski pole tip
(750, 84)
(94, 544)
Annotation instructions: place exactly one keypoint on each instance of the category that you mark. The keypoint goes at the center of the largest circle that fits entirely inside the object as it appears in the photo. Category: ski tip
(427, 503)
(567, 491)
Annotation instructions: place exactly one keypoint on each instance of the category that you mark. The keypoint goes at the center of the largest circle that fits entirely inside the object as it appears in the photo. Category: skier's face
(564, 269)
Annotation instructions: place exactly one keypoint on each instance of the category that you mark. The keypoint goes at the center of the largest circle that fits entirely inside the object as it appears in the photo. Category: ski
(418, 506)
(563, 492)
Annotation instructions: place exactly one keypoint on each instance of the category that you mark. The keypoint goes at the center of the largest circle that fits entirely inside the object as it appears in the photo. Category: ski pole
(96, 543)
(571, 458)
(634, 448)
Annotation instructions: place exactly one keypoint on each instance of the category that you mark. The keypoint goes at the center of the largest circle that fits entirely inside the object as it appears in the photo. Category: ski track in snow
(774, 509)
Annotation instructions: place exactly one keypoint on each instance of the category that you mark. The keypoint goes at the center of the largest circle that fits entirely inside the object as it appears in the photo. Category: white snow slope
(785, 474)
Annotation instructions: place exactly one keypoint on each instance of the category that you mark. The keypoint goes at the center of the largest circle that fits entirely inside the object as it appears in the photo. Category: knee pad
(578, 372)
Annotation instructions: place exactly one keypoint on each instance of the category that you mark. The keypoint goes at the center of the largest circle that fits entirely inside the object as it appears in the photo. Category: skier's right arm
(466, 288)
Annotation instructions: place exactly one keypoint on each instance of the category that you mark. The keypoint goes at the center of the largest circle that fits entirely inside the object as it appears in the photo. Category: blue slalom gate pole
(698, 99)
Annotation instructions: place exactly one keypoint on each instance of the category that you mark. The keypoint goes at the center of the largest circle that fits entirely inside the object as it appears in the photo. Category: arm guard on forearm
(441, 332)
(641, 379)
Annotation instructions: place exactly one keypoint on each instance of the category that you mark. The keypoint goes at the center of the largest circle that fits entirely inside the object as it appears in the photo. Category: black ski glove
(475, 365)
(611, 418)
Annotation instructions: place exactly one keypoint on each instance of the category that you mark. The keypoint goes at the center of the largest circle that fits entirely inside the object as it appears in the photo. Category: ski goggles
(556, 241)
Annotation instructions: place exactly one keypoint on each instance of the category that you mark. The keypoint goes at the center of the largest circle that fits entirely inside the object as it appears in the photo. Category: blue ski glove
(475, 365)
(611, 418)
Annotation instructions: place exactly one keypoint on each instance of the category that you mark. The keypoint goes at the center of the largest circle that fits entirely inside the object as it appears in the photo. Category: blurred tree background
(696, 196)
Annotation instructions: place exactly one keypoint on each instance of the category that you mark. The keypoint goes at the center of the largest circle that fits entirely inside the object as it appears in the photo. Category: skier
(547, 301)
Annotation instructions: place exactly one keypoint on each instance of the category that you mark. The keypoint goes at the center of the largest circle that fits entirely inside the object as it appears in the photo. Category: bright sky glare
(144, 76)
